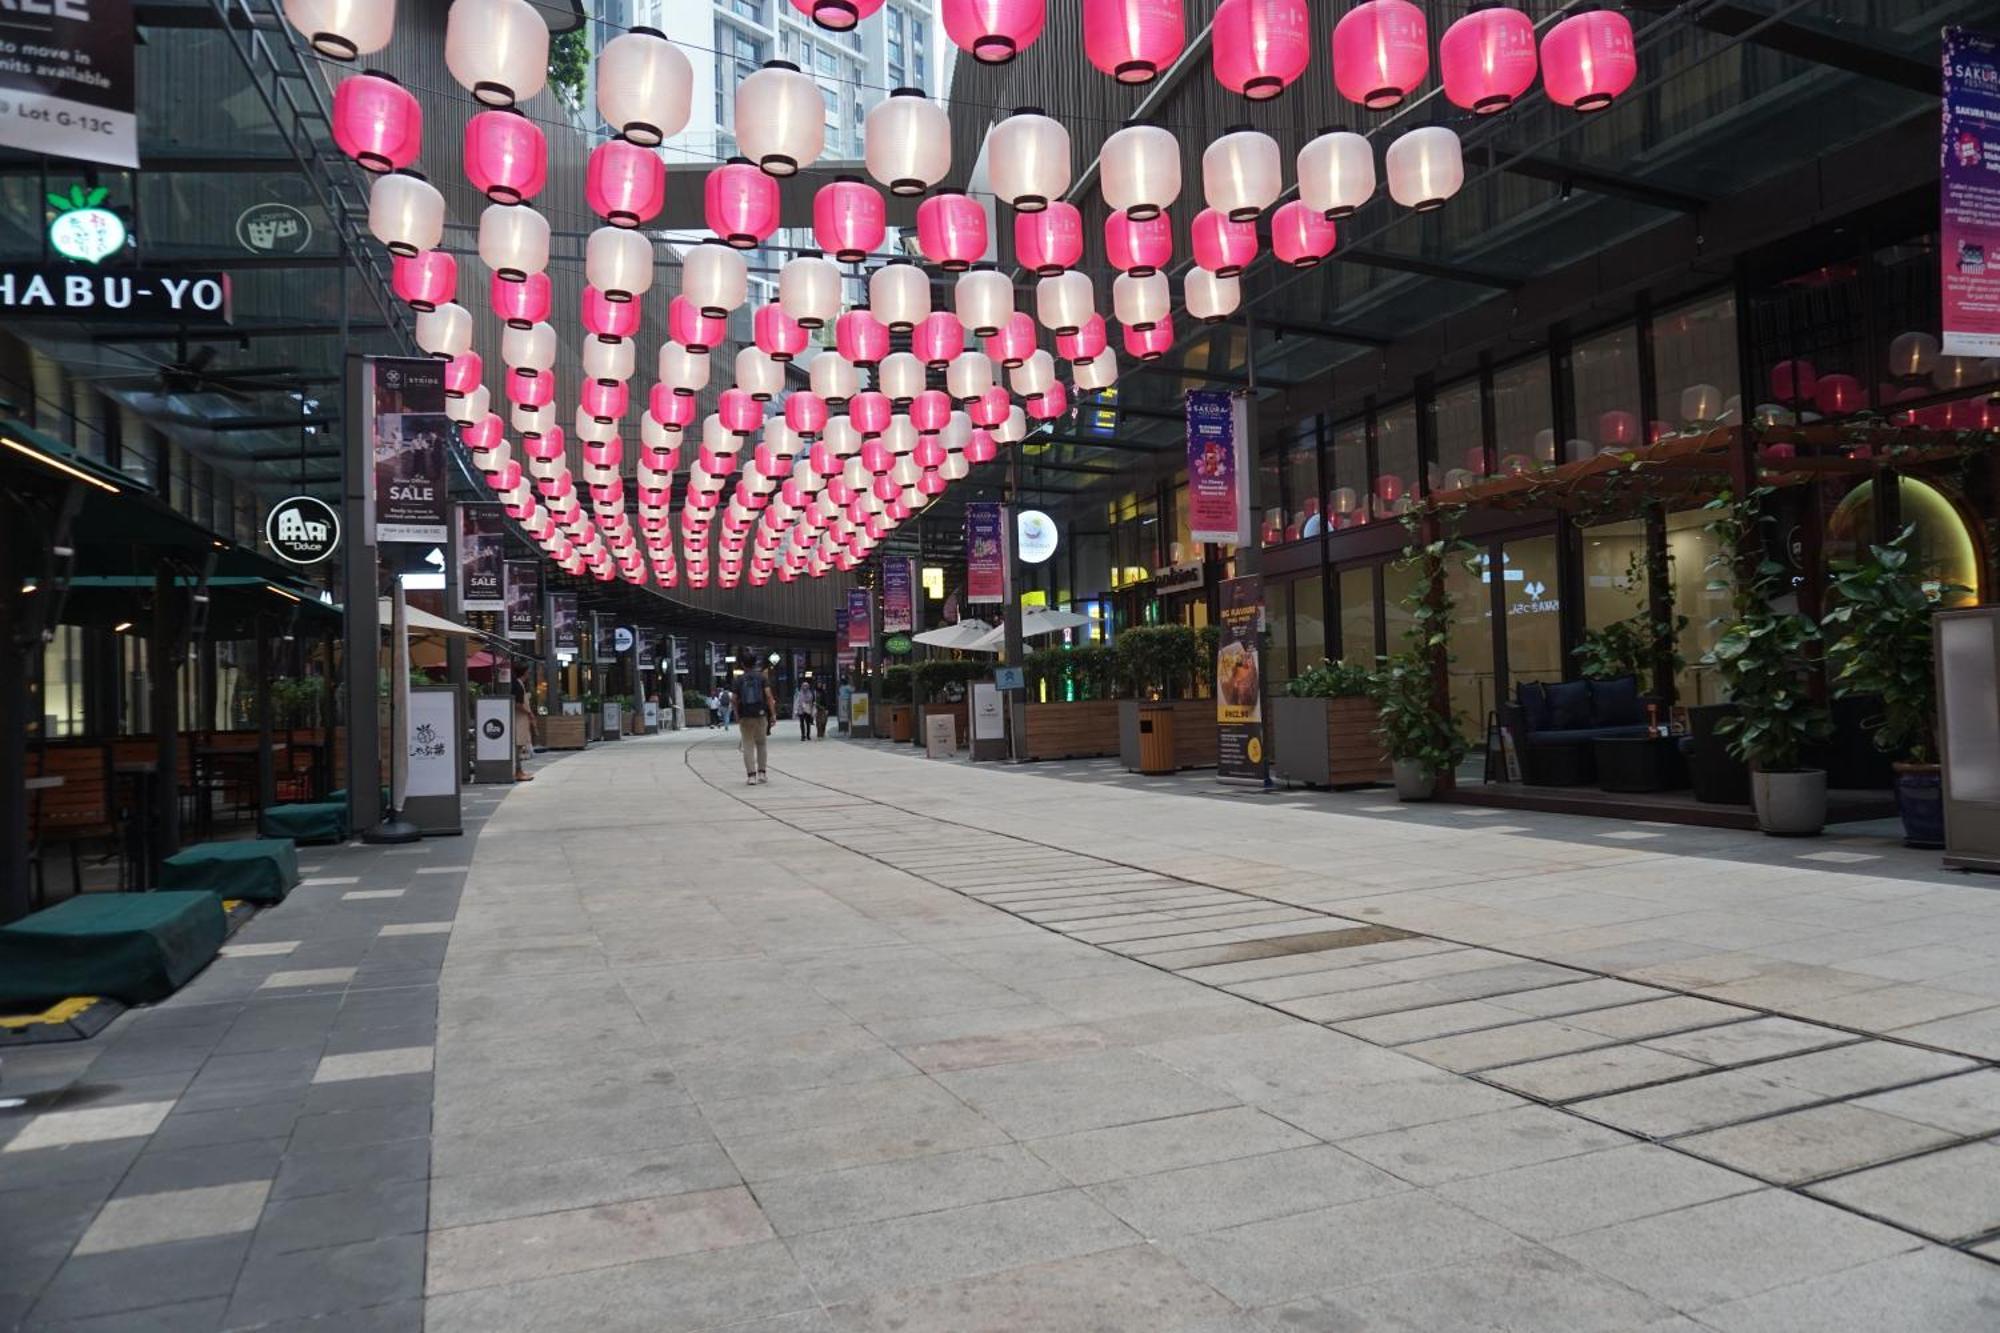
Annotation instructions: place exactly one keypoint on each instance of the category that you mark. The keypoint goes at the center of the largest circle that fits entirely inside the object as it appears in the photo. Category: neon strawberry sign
(83, 229)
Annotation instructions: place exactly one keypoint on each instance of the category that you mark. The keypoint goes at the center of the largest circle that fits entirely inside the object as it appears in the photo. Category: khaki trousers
(756, 731)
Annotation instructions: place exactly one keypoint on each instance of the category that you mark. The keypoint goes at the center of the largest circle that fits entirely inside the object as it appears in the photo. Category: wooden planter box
(564, 731)
(1326, 742)
(1194, 733)
(900, 722)
(960, 713)
(1073, 731)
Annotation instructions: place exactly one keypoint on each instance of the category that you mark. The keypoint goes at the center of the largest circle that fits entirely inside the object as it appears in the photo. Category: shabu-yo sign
(303, 530)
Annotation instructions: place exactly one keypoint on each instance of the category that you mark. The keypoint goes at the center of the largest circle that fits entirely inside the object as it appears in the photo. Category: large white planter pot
(1791, 805)
(1414, 781)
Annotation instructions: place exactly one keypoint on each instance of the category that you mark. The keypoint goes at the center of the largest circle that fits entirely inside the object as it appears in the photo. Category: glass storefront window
(1347, 488)
(1461, 438)
(1399, 581)
(1694, 365)
(1270, 495)
(1471, 644)
(1357, 614)
(1309, 621)
(1808, 338)
(1395, 461)
(1690, 547)
(62, 683)
(1534, 605)
(1523, 436)
(1604, 374)
(1302, 483)
(1942, 546)
(1183, 547)
(1614, 572)
(1278, 619)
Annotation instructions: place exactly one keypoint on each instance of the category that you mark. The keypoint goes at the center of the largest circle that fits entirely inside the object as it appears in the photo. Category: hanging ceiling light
(809, 289)
(610, 361)
(1136, 247)
(1260, 46)
(645, 86)
(1028, 159)
(1100, 372)
(498, 50)
(951, 230)
(343, 29)
(513, 242)
(1223, 247)
(848, 219)
(1140, 303)
(1425, 167)
(377, 122)
(506, 156)
(1487, 58)
(1381, 52)
(1049, 241)
(1139, 170)
(1209, 297)
(1242, 173)
(740, 203)
(1133, 40)
(1588, 59)
(1337, 173)
(692, 327)
(625, 184)
(906, 141)
(780, 118)
(532, 349)
(993, 31)
(618, 262)
(405, 213)
(900, 294)
(1300, 234)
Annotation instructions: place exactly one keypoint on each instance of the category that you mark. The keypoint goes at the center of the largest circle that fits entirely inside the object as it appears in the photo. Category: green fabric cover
(319, 821)
(258, 870)
(135, 947)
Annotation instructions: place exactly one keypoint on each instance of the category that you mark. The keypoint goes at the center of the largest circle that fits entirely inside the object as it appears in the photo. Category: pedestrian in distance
(524, 733)
(756, 707)
(802, 709)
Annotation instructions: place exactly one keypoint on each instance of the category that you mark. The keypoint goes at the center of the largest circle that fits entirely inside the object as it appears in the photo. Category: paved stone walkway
(891, 1044)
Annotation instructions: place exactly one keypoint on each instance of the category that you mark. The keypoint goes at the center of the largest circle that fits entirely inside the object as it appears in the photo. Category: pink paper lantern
(506, 156)
(605, 399)
(990, 408)
(1793, 381)
(886, 488)
(860, 337)
(930, 452)
(625, 184)
(427, 279)
(1618, 428)
(1139, 248)
(849, 219)
(483, 435)
(951, 230)
(805, 413)
(1049, 241)
(931, 484)
(1223, 247)
(1133, 40)
(870, 411)
(994, 31)
(739, 411)
(377, 122)
(836, 15)
(930, 411)
(1015, 342)
(779, 335)
(1050, 403)
(741, 203)
(937, 338)
(1260, 46)
(608, 318)
(1588, 59)
(1381, 52)
(674, 411)
(1153, 343)
(690, 328)
(1388, 488)
(605, 453)
(1300, 236)
(1086, 342)
(526, 389)
(522, 304)
(877, 457)
(1839, 395)
(982, 447)
(1487, 59)
(462, 374)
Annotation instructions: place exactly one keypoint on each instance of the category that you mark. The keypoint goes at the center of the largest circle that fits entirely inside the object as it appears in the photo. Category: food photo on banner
(66, 80)
(412, 438)
(1239, 681)
(1969, 194)
(985, 553)
(524, 599)
(897, 606)
(1215, 431)
(482, 558)
(563, 623)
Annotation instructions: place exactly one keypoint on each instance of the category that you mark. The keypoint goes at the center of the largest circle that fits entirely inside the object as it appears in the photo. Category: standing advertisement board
(1216, 426)
(1969, 194)
(481, 533)
(411, 438)
(1239, 681)
(563, 624)
(523, 598)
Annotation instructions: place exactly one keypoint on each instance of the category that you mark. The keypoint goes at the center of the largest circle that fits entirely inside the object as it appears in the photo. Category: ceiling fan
(194, 372)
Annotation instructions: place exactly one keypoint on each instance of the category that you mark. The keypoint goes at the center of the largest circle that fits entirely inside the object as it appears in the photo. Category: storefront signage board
(1239, 681)
(66, 80)
(1969, 194)
(134, 295)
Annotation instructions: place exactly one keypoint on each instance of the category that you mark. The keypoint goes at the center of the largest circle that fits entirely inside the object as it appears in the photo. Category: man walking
(756, 706)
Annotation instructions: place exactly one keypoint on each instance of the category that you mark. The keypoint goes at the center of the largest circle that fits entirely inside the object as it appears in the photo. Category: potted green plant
(1158, 667)
(1881, 648)
(895, 697)
(1072, 705)
(1323, 727)
(1421, 740)
(1764, 660)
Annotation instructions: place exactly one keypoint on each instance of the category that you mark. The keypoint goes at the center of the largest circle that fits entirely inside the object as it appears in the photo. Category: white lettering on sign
(74, 10)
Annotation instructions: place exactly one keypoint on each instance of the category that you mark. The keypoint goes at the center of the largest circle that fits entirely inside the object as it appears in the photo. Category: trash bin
(1156, 739)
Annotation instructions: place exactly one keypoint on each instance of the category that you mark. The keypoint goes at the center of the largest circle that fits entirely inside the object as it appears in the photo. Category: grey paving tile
(843, 1104)
(1352, 1112)
(153, 1275)
(1588, 1073)
(131, 1221)
(519, 1190)
(1594, 1190)
(580, 1134)
(1229, 1193)
(335, 1280)
(1081, 1092)
(1755, 1039)
(1530, 1039)
(842, 1198)
(58, 1129)
(197, 1168)
(1438, 1020)
(1804, 1145)
(360, 1127)
(1934, 1290)
(1964, 1103)
(1481, 1145)
(832, 1147)
(319, 1172)
(201, 1316)
(341, 1217)
(1095, 1155)
(1951, 1194)
(1649, 1018)
(1578, 997)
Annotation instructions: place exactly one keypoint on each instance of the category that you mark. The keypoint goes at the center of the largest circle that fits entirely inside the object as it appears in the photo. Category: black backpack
(750, 690)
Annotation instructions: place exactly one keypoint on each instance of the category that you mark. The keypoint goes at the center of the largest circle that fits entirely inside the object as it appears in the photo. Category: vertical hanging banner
(411, 436)
(1969, 194)
(563, 623)
(985, 553)
(860, 617)
(648, 656)
(680, 655)
(481, 533)
(66, 80)
(524, 598)
(898, 611)
(1215, 444)
(843, 651)
(1239, 681)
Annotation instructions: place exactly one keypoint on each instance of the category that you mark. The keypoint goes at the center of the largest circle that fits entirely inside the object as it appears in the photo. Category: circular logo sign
(1036, 534)
(304, 530)
(898, 645)
(494, 728)
(621, 639)
(273, 229)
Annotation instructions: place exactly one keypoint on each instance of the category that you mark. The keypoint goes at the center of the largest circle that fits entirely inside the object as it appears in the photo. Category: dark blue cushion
(1569, 705)
(1534, 704)
(1584, 735)
(1615, 703)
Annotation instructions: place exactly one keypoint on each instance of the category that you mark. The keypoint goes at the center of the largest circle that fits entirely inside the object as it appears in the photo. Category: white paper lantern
(1242, 174)
(343, 29)
(907, 142)
(1140, 303)
(717, 438)
(498, 50)
(1034, 375)
(833, 377)
(1065, 302)
(901, 376)
(984, 299)
(856, 474)
(955, 467)
(405, 213)
(610, 361)
(906, 472)
(513, 240)
(591, 430)
(900, 295)
(715, 278)
(1211, 299)
(758, 375)
(1139, 170)
(1337, 173)
(445, 331)
(1425, 168)
(957, 432)
(842, 437)
(1014, 429)
(1701, 402)
(618, 261)
(645, 86)
(1913, 355)
(900, 436)
(1028, 159)
(780, 118)
(532, 349)
(683, 371)
(467, 408)
(528, 420)
(969, 376)
(809, 289)
(1100, 372)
